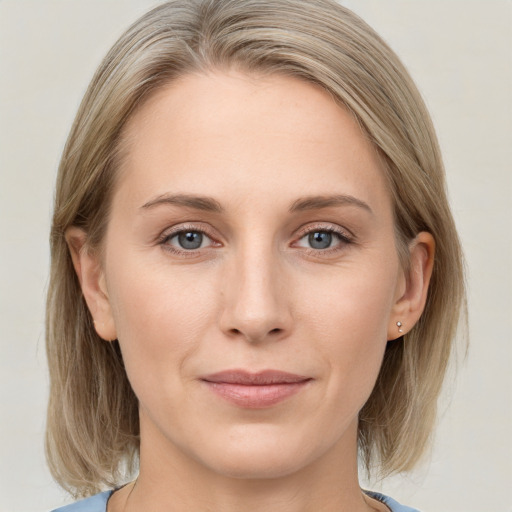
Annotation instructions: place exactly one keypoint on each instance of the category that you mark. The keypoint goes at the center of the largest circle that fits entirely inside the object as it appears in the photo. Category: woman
(255, 273)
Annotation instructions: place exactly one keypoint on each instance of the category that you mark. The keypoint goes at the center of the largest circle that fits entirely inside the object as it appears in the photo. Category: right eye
(188, 240)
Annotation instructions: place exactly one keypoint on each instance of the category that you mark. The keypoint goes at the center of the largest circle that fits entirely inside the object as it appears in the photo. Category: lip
(255, 390)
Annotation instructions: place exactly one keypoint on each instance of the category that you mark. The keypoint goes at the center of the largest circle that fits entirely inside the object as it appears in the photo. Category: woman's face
(250, 273)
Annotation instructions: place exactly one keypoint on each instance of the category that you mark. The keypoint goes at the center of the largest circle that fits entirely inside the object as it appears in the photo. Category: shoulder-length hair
(92, 426)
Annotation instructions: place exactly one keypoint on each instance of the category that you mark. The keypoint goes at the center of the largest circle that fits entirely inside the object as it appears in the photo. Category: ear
(90, 273)
(412, 297)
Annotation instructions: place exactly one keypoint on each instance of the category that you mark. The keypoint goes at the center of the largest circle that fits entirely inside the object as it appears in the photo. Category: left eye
(320, 240)
(189, 240)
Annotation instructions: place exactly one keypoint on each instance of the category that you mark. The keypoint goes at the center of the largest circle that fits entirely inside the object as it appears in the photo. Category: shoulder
(96, 503)
(392, 504)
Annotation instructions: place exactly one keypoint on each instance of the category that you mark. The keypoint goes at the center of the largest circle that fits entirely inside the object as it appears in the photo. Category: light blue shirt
(98, 503)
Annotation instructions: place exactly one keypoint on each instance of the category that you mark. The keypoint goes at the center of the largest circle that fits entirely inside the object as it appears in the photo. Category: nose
(256, 302)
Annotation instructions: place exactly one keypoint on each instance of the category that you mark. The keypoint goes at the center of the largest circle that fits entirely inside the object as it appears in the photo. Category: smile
(255, 390)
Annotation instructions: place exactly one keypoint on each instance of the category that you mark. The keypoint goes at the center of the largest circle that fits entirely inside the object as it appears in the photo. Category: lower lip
(256, 397)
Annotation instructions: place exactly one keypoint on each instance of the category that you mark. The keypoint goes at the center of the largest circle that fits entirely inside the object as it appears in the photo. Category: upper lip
(261, 378)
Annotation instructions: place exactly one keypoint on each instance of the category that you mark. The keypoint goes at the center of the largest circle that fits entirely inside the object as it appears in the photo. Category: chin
(263, 466)
(259, 456)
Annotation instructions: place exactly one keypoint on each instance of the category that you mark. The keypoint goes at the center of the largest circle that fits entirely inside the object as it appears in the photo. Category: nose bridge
(256, 305)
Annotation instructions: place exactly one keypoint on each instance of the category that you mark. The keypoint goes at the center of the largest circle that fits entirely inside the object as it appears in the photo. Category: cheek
(349, 319)
(356, 307)
(160, 316)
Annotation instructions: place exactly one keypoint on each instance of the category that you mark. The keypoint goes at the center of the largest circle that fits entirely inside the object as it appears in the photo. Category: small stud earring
(399, 325)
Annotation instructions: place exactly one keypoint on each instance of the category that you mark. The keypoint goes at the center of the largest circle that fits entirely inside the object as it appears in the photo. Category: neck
(171, 480)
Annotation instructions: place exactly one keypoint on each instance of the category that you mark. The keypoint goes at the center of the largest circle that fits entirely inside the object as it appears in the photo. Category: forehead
(226, 132)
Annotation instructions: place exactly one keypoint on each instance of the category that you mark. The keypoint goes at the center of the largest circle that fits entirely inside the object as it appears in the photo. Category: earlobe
(92, 281)
(410, 305)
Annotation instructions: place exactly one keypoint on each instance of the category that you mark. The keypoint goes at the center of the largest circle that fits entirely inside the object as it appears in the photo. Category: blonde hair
(93, 432)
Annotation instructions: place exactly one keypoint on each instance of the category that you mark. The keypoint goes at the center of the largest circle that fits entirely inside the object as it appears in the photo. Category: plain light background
(459, 53)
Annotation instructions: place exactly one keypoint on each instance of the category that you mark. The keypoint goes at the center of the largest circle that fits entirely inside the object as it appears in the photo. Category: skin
(256, 294)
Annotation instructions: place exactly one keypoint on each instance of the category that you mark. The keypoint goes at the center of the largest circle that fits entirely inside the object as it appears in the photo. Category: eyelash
(164, 239)
(344, 238)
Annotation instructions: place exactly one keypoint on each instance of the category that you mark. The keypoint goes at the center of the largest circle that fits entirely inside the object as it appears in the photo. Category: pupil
(190, 240)
(320, 240)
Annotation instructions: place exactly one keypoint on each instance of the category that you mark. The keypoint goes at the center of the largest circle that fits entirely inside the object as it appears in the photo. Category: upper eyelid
(328, 226)
(341, 239)
(172, 235)
(186, 226)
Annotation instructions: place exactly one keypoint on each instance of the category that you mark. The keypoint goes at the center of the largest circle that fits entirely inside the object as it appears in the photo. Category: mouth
(255, 390)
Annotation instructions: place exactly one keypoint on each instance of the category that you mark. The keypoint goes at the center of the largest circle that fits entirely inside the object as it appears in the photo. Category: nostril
(238, 332)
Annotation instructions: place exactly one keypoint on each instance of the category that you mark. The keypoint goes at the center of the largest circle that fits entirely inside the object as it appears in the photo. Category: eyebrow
(209, 204)
(190, 201)
(319, 202)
